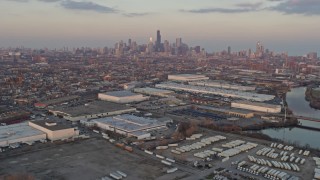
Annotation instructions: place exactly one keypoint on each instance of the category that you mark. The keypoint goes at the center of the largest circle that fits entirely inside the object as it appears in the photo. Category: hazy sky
(281, 25)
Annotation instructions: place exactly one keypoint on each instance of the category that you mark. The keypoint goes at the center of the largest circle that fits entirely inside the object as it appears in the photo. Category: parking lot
(86, 159)
(230, 165)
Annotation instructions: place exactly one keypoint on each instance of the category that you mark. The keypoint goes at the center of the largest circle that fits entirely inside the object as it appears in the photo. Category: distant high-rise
(259, 49)
(167, 46)
(229, 50)
(178, 42)
(312, 55)
(129, 42)
(158, 42)
(197, 49)
(158, 37)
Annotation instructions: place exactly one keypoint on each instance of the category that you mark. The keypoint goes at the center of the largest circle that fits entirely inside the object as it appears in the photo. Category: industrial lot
(188, 127)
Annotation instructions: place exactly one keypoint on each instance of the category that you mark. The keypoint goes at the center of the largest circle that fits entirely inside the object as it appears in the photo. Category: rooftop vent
(51, 123)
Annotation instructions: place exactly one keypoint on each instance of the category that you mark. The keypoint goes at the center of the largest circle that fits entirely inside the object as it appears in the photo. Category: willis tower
(158, 47)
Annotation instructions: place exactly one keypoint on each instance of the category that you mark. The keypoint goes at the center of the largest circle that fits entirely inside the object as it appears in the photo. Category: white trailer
(172, 170)
(116, 176)
(166, 162)
(122, 173)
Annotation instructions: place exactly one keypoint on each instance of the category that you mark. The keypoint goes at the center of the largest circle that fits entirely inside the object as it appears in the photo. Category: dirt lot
(86, 159)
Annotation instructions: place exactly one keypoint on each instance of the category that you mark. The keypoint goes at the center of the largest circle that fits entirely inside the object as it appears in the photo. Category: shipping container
(120, 145)
(128, 148)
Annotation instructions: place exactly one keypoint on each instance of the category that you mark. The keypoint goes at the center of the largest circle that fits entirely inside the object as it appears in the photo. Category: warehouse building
(187, 77)
(56, 101)
(254, 106)
(216, 91)
(95, 109)
(122, 97)
(130, 125)
(223, 85)
(230, 111)
(154, 92)
(53, 130)
(19, 133)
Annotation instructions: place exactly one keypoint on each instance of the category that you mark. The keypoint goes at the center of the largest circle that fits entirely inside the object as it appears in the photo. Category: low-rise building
(187, 77)
(216, 91)
(254, 106)
(130, 125)
(19, 133)
(121, 97)
(53, 130)
(95, 109)
(56, 101)
(223, 85)
(154, 92)
(241, 113)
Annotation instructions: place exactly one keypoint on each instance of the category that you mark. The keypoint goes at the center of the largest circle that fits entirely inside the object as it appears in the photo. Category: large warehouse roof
(96, 107)
(223, 85)
(17, 131)
(225, 110)
(152, 90)
(216, 91)
(120, 93)
(130, 123)
(187, 77)
(52, 126)
(257, 104)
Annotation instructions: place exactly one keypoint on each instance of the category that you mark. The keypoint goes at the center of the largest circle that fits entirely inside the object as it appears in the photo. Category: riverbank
(312, 95)
(292, 122)
(304, 137)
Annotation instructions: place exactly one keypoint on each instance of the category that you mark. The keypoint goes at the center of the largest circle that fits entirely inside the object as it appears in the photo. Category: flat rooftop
(257, 104)
(60, 100)
(216, 91)
(187, 75)
(120, 93)
(95, 107)
(226, 110)
(153, 90)
(130, 123)
(17, 131)
(51, 125)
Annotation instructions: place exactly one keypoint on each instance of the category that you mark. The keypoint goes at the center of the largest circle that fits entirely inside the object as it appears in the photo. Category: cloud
(21, 1)
(239, 8)
(218, 10)
(87, 6)
(135, 14)
(250, 5)
(304, 7)
(49, 1)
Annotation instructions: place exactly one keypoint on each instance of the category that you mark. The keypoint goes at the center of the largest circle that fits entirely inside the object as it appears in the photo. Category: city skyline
(283, 25)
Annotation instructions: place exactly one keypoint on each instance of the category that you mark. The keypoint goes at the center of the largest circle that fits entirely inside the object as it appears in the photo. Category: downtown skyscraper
(158, 46)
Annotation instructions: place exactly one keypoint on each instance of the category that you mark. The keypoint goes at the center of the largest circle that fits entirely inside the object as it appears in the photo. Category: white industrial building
(19, 133)
(130, 125)
(223, 85)
(53, 130)
(187, 77)
(122, 97)
(95, 109)
(216, 91)
(154, 92)
(254, 106)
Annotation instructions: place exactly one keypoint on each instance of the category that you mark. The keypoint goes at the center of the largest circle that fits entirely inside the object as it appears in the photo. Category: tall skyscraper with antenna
(158, 42)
